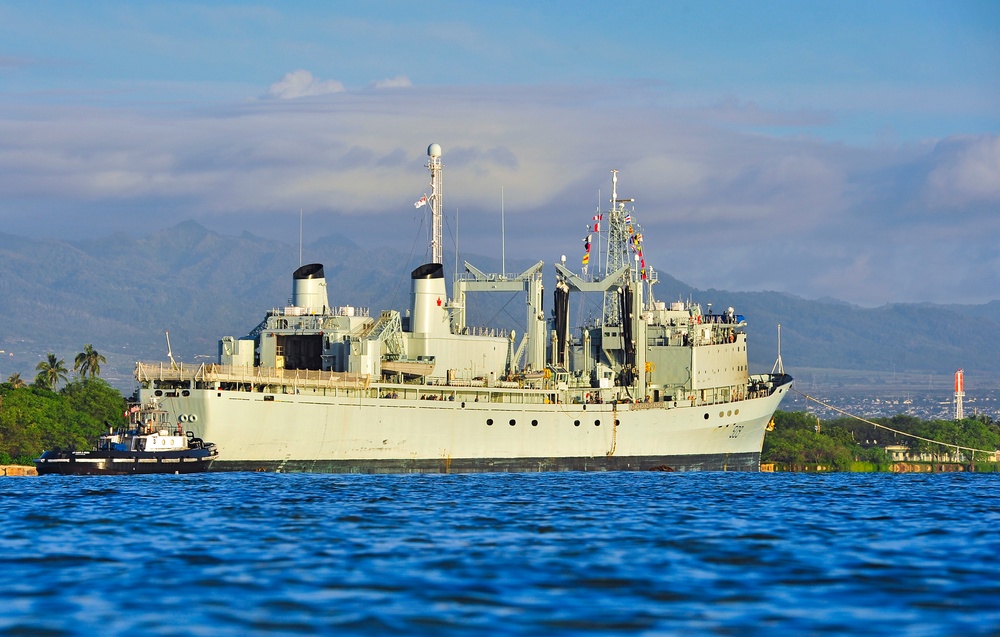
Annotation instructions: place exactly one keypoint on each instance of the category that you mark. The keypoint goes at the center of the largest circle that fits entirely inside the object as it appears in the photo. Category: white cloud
(301, 83)
(400, 81)
(720, 207)
(969, 171)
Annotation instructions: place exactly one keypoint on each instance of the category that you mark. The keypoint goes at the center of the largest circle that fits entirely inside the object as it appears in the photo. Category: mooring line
(895, 431)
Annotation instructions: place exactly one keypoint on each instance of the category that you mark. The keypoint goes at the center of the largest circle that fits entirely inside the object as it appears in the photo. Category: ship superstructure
(321, 387)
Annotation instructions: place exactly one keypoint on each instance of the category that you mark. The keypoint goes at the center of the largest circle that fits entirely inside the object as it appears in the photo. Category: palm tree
(15, 380)
(51, 372)
(89, 362)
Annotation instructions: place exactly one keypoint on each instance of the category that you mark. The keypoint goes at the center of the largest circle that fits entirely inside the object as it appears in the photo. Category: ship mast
(618, 255)
(436, 200)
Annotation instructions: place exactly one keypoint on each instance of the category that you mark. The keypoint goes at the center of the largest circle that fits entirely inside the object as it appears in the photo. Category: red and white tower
(959, 394)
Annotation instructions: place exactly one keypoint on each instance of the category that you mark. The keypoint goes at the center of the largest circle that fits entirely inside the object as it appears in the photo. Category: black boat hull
(96, 463)
(749, 461)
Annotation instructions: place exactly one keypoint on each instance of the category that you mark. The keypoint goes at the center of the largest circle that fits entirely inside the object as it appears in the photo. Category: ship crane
(530, 282)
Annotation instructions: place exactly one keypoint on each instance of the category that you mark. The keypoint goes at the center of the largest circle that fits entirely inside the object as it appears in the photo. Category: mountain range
(124, 294)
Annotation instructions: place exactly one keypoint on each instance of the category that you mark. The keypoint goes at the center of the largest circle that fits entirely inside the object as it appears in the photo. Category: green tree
(89, 361)
(16, 381)
(799, 439)
(33, 419)
(51, 372)
(838, 443)
(95, 398)
(877, 456)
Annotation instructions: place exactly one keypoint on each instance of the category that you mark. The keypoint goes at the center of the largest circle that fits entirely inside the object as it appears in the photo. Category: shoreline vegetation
(54, 411)
(802, 442)
(36, 419)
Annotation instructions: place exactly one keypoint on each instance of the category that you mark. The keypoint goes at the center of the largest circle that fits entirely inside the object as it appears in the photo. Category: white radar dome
(434, 150)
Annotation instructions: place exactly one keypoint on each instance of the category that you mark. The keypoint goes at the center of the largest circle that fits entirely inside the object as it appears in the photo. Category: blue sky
(826, 149)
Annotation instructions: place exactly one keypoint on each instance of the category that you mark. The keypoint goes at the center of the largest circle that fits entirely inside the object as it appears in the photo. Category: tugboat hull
(93, 463)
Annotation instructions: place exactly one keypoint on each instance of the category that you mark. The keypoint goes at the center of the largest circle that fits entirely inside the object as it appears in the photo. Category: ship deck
(171, 377)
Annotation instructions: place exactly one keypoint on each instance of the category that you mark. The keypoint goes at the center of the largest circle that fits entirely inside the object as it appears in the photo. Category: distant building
(902, 453)
(959, 394)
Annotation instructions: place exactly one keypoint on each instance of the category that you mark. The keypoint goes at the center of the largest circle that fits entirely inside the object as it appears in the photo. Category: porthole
(183, 418)
(512, 422)
(534, 423)
(617, 422)
(158, 392)
(597, 423)
(185, 393)
(729, 413)
(489, 422)
(722, 414)
(706, 416)
(576, 423)
(737, 412)
(193, 417)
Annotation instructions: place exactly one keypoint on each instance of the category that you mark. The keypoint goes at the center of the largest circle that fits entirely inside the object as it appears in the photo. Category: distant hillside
(905, 338)
(122, 294)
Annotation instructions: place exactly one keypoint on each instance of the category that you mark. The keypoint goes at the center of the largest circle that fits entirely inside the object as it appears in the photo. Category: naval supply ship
(317, 387)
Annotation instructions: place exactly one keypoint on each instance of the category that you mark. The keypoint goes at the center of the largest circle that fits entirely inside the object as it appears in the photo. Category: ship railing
(763, 385)
(344, 310)
(215, 373)
(494, 276)
(640, 406)
(297, 321)
(310, 378)
(476, 330)
(463, 382)
(757, 386)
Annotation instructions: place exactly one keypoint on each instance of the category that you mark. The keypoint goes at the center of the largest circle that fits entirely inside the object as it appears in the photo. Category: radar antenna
(170, 354)
(436, 200)
(620, 229)
(778, 368)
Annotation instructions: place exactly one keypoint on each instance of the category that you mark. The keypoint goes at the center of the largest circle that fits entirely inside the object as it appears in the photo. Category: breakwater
(17, 470)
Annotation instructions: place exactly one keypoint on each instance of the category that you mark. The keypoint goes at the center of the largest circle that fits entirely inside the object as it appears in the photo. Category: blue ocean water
(526, 554)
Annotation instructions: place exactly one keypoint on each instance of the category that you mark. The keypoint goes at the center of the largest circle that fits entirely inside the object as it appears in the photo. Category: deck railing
(216, 373)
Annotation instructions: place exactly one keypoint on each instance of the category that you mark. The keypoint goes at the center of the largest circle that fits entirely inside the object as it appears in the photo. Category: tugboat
(145, 446)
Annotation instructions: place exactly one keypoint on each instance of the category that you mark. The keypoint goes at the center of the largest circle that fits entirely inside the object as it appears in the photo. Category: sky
(846, 150)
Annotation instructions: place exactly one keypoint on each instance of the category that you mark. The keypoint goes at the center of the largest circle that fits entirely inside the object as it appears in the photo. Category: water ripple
(535, 554)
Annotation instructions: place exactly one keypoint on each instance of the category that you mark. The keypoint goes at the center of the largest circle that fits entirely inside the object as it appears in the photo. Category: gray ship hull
(352, 432)
(746, 461)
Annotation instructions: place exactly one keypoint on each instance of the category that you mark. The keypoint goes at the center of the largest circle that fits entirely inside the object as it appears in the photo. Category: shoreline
(765, 467)
(895, 467)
